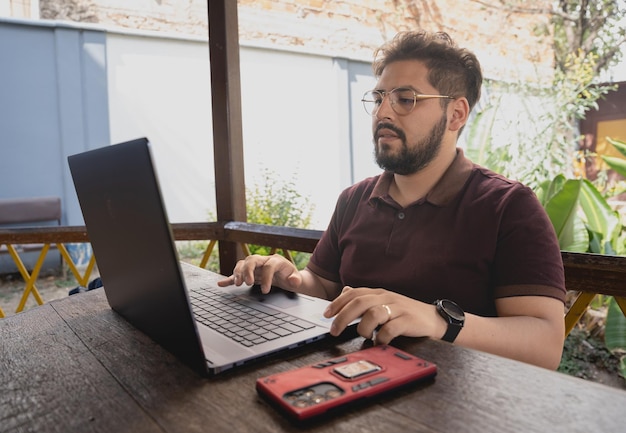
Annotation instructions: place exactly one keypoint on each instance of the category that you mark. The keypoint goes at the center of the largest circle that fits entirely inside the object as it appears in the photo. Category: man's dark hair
(453, 71)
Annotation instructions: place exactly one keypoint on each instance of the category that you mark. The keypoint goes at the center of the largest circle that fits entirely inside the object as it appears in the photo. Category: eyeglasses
(402, 100)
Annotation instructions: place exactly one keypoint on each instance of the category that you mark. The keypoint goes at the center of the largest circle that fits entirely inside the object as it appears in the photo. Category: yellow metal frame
(31, 277)
(573, 315)
(83, 280)
(580, 306)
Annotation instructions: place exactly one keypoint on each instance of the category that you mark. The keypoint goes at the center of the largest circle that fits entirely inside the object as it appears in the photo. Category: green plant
(560, 199)
(615, 334)
(272, 202)
(278, 203)
(536, 141)
(582, 218)
(575, 203)
(617, 164)
(594, 26)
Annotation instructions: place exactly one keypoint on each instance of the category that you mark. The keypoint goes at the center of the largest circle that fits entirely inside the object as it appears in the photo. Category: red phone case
(316, 389)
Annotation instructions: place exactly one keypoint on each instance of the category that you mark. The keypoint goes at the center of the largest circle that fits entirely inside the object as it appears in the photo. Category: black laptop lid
(128, 228)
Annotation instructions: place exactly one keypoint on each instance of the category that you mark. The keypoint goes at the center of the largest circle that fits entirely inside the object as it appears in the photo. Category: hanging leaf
(617, 164)
(619, 145)
(601, 218)
(615, 333)
(560, 200)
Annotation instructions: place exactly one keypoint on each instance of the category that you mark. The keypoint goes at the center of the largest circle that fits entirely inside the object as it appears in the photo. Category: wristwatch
(454, 315)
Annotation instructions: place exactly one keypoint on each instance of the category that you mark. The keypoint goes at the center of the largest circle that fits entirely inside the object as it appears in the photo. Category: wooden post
(227, 129)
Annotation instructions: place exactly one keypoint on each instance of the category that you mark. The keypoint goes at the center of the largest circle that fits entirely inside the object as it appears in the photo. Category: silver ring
(386, 307)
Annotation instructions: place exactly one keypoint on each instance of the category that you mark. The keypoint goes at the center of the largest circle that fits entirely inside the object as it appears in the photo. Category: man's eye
(405, 101)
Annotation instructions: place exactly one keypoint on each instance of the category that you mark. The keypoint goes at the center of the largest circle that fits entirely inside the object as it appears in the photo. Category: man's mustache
(390, 127)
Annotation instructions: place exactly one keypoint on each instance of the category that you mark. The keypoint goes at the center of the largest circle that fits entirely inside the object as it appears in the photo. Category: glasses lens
(402, 100)
(371, 101)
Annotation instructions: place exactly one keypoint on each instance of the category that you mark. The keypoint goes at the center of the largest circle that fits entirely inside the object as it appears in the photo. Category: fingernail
(327, 312)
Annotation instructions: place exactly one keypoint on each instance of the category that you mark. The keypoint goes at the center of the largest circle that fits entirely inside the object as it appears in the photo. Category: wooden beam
(227, 124)
(278, 237)
(595, 273)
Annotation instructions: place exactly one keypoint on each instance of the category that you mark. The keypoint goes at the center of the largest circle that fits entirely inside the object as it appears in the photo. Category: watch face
(453, 310)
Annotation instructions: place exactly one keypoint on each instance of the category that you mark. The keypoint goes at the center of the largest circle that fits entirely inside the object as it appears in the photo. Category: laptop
(143, 278)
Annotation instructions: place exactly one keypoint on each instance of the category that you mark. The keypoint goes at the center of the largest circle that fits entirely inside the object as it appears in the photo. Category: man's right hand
(266, 271)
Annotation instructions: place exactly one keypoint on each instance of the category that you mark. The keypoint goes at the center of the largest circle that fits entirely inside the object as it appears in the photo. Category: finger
(347, 294)
(264, 276)
(383, 336)
(226, 281)
(236, 278)
(373, 319)
(359, 304)
(387, 332)
(246, 269)
(351, 294)
(277, 270)
(293, 280)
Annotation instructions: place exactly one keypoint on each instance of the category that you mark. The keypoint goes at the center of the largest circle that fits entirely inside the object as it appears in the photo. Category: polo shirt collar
(445, 190)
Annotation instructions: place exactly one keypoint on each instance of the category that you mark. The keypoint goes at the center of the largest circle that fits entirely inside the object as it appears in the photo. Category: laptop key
(243, 322)
(282, 332)
(270, 336)
(302, 324)
(291, 328)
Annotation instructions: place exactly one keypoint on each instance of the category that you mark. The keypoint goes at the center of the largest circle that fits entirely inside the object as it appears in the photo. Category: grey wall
(53, 102)
(65, 89)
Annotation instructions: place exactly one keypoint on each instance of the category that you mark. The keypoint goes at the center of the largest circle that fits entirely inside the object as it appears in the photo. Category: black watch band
(453, 315)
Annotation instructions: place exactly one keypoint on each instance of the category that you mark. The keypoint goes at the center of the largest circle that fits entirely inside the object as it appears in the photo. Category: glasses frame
(382, 93)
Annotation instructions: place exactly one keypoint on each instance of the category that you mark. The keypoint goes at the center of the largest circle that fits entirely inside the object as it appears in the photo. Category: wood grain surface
(74, 365)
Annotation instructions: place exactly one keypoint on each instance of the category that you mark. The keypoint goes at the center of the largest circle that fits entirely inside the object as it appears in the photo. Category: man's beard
(410, 160)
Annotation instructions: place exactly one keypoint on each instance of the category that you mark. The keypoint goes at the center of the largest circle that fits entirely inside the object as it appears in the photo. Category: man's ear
(458, 113)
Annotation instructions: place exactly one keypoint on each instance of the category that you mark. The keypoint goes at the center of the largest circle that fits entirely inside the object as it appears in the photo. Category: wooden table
(73, 365)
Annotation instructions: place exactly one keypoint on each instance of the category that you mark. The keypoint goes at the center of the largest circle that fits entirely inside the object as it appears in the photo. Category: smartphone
(321, 388)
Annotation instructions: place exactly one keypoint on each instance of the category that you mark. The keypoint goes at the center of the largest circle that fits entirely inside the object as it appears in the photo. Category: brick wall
(505, 42)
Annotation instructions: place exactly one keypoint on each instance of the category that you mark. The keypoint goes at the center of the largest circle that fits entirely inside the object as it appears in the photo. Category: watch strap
(452, 332)
(454, 324)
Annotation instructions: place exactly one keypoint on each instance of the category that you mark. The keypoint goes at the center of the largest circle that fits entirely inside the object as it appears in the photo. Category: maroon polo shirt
(475, 237)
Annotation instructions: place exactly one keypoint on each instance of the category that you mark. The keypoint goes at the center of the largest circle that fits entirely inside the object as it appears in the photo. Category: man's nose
(385, 110)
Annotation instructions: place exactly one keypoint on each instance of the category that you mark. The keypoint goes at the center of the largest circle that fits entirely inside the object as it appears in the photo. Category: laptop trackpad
(278, 297)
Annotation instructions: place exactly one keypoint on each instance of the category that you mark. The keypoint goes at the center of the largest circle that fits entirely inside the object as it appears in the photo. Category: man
(435, 246)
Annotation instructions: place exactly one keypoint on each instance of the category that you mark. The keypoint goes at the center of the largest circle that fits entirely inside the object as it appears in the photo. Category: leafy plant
(564, 199)
(560, 198)
(594, 26)
(272, 202)
(278, 203)
(615, 333)
(617, 164)
(582, 218)
(536, 141)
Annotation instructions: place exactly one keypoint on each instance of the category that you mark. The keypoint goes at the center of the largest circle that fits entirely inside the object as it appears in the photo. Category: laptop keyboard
(244, 322)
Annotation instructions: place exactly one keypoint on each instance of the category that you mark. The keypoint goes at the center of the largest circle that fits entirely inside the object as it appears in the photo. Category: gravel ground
(50, 285)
